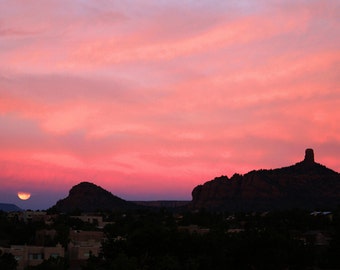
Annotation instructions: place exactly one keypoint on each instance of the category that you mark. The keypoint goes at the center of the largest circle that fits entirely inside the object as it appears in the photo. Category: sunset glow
(150, 98)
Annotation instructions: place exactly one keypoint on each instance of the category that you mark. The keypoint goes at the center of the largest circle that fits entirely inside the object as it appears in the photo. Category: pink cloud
(111, 50)
(152, 99)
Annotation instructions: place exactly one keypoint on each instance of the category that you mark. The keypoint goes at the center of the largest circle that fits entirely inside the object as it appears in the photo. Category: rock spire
(309, 156)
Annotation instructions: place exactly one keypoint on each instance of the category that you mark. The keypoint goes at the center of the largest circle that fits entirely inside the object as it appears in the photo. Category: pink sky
(150, 98)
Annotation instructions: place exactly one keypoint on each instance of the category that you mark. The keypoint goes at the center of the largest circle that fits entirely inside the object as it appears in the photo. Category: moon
(24, 195)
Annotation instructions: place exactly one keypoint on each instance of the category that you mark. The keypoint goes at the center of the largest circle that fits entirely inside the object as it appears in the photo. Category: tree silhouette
(7, 261)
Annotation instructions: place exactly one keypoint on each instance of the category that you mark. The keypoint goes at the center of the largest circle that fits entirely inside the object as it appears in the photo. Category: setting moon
(24, 195)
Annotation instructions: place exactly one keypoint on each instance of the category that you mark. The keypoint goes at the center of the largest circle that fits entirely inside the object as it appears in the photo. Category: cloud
(152, 98)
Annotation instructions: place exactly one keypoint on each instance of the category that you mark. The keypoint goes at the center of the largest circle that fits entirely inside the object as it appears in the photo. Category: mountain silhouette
(305, 185)
(88, 197)
(9, 207)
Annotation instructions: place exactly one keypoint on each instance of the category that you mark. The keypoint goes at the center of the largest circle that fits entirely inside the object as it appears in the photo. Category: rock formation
(88, 197)
(309, 156)
(306, 184)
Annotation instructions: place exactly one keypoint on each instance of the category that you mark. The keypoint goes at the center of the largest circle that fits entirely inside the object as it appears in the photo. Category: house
(82, 245)
(193, 229)
(95, 220)
(33, 255)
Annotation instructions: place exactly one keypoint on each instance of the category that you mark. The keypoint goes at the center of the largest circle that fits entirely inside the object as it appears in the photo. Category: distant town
(170, 238)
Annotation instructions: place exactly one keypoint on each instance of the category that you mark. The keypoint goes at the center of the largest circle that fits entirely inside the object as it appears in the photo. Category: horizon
(149, 100)
(307, 158)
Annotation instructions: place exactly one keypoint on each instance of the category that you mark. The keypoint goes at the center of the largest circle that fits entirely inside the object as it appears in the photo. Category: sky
(148, 99)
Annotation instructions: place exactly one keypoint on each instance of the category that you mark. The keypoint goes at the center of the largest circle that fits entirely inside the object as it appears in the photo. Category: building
(82, 245)
(33, 255)
(193, 229)
(95, 220)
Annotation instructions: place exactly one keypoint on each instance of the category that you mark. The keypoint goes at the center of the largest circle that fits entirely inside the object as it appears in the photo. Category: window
(35, 256)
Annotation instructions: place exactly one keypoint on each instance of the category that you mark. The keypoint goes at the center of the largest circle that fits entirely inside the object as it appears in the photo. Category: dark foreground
(145, 239)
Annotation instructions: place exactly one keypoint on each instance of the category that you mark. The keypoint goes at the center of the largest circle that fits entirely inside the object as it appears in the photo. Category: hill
(161, 204)
(8, 207)
(306, 185)
(88, 197)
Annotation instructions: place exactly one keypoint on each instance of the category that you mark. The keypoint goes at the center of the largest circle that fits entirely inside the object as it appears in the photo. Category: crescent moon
(24, 195)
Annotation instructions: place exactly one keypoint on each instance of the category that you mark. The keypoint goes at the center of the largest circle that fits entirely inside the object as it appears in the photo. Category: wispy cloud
(151, 98)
